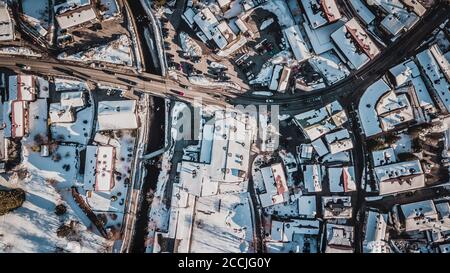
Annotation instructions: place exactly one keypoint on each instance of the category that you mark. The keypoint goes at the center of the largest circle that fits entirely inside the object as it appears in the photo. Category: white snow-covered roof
(6, 24)
(321, 12)
(354, 42)
(73, 13)
(307, 206)
(99, 168)
(419, 215)
(319, 147)
(417, 7)
(207, 22)
(297, 43)
(383, 157)
(337, 207)
(394, 110)
(18, 118)
(375, 231)
(398, 17)
(362, 11)
(73, 99)
(339, 238)
(284, 79)
(284, 231)
(404, 72)
(116, 115)
(275, 77)
(366, 108)
(275, 185)
(306, 151)
(320, 38)
(339, 141)
(441, 61)
(399, 177)
(312, 176)
(22, 87)
(342, 179)
(61, 113)
(188, 16)
(435, 76)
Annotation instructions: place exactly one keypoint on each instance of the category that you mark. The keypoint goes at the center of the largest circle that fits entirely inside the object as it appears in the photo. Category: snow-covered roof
(22, 87)
(6, 24)
(99, 168)
(339, 141)
(319, 147)
(275, 77)
(116, 115)
(321, 12)
(297, 43)
(330, 66)
(383, 157)
(435, 76)
(366, 108)
(320, 38)
(307, 206)
(394, 110)
(284, 231)
(18, 118)
(306, 151)
(312, 176)
(375, 230)
(417, 7)
(339, 238)
(399, 177)
(74, 99)
(354, 42)
(275, 185)
(419, 215)
(398, 17)
(404, 72)
(61, 113)
(441, 61)
(72, 13)
(337, 207)
(362, 11)
(316, 123)
(207, 22)
(341, 179)
(188, 16)
(284, 79)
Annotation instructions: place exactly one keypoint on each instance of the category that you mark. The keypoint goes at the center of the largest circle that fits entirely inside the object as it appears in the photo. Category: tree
(11, 200)
(407, 156)
(391, 138)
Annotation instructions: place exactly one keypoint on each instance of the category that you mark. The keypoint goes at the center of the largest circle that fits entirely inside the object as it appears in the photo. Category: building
(426, 215)
(99, 168)
(436, 71)
(22, 87)
(342, 179)
(117, 115)
(362, 11)
(7, 32)
(337, 207)
(297, 43)
(316, 123)
(276, 190)
(375, 233)
(339, 141)
(294, 236)
(61, 113)
(339, 238)
(399, 177)
(73, 99)
(321, 12)
(72, 13)
(307, 206)
(355, 44)
(312, 176)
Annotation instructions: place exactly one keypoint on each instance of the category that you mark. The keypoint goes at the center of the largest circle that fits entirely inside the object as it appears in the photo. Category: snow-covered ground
(23, 51)
(116, 52)
(76, 132)
(203, 81)
(189, 46)
(111, 9)
(48, 181)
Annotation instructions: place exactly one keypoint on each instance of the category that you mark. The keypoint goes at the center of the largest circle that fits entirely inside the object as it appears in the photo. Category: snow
(116, 52)
(76, 132)
(69, 85)
(189, 46)
(281, 10)
(203, 81)
(36, 13)
(112, 10)
(330, 67)
(12, 50)
(266, 23)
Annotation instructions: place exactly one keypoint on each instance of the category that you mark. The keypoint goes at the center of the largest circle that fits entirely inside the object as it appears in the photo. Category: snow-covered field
(116, 52)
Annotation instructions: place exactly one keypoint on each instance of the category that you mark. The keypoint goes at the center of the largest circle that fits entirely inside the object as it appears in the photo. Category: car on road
(24, 66)
(269, 100)
(184, 86)
(98, 65)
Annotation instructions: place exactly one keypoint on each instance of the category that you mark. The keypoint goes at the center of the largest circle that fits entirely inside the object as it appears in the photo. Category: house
(117, 115)
(375, 232)
(399, 177)
(297, 43)
(362, 11)
(7, 32)
(337, 207)
(321, 12)
(72, 13)
(342, 179)
(339, 141)
(22, 87)
(276, 190)
(312, 176)
(61, 113)
(73, 99)
(339, 238)
(307, 206)
(355, 44)
(99, 168)
(426, 215)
